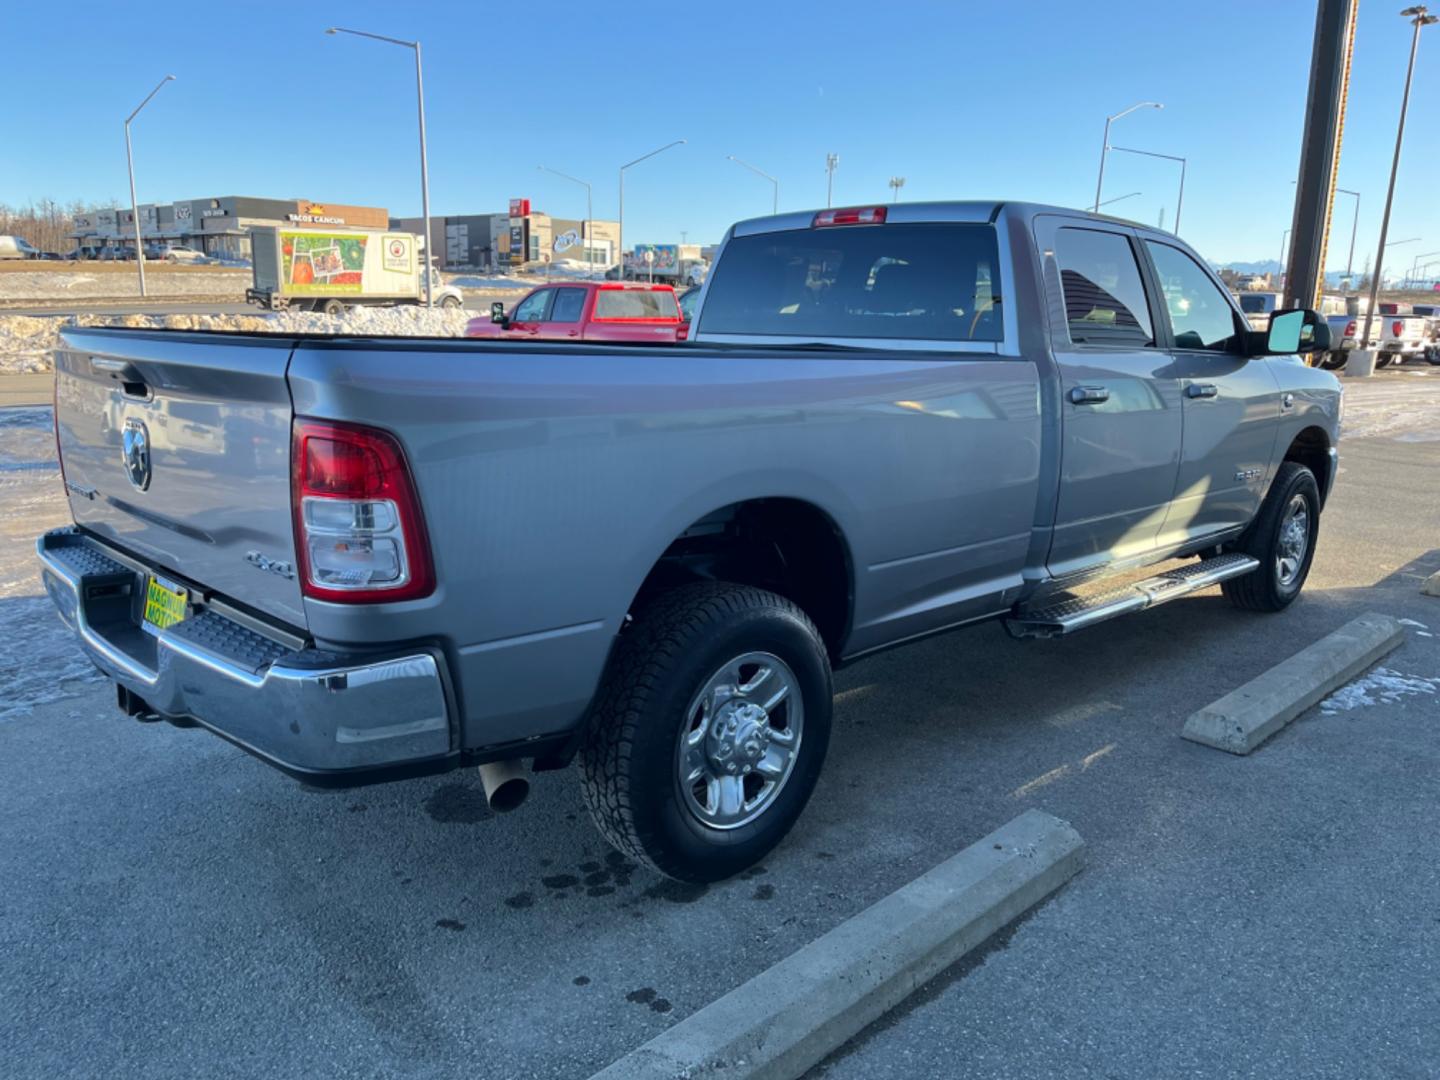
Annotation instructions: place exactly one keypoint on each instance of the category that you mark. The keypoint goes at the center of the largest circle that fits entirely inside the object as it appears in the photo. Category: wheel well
(788, 546)
(1311, 448)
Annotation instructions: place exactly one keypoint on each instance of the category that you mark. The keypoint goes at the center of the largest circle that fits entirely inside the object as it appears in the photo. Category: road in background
(168, 900)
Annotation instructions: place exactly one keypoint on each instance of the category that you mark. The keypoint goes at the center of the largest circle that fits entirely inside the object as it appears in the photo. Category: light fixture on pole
(424, 164)
(1105, 143)
(896, 183)
(585, 244)
(130, 165)
(775, 199)
(642, 157)
(1419, 17)
(831, 160)
(1179, 202)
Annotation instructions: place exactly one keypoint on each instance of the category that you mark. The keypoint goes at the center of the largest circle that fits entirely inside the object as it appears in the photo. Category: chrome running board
(1078, 612)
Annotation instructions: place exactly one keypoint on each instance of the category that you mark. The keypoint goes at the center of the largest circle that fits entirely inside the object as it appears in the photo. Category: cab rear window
(629, 305)
(908, 281)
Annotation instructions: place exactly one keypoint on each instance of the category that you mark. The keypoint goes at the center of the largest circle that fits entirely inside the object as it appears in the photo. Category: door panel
(1230, 403)
(1121, 404)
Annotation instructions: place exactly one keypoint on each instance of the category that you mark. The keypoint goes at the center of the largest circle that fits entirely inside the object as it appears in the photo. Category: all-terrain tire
(628, 760)
(1268, 588)
(1334, 361)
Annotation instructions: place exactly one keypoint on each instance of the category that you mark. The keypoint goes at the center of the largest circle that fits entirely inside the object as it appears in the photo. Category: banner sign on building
(519, 208)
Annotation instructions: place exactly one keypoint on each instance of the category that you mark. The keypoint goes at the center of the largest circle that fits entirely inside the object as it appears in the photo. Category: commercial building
(518, 237)
(221, 226)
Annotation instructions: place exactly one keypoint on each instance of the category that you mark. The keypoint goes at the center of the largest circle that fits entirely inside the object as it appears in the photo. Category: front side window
(936, 282)
(1200, 314)
(569, 303)
(532, 308)
(1104, 293)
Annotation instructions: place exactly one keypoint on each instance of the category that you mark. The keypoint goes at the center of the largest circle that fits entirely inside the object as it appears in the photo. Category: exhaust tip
(506, 785)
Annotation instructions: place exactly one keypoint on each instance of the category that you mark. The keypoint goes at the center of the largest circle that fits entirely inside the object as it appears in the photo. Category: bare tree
(45, 223)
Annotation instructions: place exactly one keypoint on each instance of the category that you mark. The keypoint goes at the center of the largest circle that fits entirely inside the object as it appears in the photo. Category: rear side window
(1104, 294)
(630, 305)
(912, 281)
(569, 303)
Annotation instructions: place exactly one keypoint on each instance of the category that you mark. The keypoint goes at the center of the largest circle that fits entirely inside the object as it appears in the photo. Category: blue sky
(965, 100)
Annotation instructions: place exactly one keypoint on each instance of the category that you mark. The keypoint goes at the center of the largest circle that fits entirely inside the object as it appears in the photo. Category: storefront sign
(519, 208)
(566, 240)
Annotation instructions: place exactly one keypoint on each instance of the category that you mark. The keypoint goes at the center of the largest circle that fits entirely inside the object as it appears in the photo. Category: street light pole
(1354, 225)
(1415, 266)
(896, 183)
(130, 165)
(831, 160)
(1419, 17)
(1180, 202)
(627, 165)
(775, 201)
(1105, 143)
(585, 246)
(424, 163)
(1120, 198)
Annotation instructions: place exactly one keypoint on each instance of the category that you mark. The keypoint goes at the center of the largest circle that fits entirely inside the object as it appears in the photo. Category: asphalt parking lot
(171, 908)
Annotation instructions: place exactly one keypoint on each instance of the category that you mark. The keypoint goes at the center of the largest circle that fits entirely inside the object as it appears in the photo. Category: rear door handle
(1202, 389)
(1089, 395)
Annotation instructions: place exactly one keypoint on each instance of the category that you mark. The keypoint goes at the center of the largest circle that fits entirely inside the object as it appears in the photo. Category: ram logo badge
(269, 565)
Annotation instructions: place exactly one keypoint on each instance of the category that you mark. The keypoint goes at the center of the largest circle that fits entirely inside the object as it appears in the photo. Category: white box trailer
(334, 269)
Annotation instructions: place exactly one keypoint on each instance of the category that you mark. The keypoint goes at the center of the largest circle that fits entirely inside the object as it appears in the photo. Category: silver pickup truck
(365, 559)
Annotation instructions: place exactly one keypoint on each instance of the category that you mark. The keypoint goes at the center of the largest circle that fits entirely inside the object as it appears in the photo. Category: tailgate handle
(122, 371)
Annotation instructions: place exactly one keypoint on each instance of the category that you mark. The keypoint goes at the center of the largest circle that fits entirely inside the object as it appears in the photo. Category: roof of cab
(964, 212)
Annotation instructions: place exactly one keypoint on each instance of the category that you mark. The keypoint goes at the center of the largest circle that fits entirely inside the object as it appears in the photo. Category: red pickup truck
(588, 311)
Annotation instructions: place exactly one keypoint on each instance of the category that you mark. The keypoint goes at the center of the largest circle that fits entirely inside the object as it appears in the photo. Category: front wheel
(1282, 537)
(450, 303)
(710, 730)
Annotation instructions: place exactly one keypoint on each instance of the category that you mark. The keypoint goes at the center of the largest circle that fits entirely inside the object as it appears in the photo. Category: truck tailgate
(176, 448)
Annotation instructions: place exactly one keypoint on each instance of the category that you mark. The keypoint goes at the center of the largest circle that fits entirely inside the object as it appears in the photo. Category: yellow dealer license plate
(164, 605)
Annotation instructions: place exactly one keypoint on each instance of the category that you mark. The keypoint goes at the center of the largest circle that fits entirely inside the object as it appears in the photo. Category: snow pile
(1380, 687)
(26, 342)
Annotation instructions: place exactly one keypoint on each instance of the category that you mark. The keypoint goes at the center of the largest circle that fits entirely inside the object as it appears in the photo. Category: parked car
(1259, 306)
(179, 253)
(1400, 334)
(424, 554)
(586, 311)
(82, 254)
(116, 253)
(17, 247)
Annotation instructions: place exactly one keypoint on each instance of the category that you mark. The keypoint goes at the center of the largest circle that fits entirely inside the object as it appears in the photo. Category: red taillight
(1350, 328)
(1397, 328)
(359, 534)
(851, 215)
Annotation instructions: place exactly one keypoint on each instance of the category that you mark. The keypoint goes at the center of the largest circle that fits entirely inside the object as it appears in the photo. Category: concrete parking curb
(1243, 719)
(790, 1016)
(1431, 587)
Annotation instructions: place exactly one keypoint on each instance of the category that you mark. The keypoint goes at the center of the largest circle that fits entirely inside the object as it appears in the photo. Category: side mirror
(1296, 330)
(497, 314)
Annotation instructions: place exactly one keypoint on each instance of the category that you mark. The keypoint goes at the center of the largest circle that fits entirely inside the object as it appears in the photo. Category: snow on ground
(1401, 404)
(123, 282)
(1379, 687)
(27, 341)
(493, 282)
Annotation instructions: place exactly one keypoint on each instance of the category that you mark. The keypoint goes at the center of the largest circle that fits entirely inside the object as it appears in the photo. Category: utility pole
(1419, 17)
(896, 183)
(831, 160)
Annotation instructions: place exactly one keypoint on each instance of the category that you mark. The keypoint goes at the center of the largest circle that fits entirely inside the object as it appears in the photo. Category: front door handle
(1201, 389)
(1089, 395)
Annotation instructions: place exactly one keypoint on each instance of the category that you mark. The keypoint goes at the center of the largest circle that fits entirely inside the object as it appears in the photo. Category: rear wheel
(332, 306)
(1383, 360)
(1282, 537)
(710, 730)
(1334, 361)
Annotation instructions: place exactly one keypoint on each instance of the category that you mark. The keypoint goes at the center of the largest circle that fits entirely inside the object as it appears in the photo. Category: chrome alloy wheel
(739, 740)
(1293, 542)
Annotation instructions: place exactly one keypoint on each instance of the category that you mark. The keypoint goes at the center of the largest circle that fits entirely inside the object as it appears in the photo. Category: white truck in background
(335, 269)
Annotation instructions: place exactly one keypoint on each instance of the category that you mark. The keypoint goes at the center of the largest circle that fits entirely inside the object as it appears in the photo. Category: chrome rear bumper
(318, 715)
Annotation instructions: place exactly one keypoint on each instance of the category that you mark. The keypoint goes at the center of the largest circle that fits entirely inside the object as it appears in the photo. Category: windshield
(916, 282)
